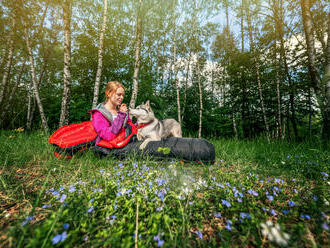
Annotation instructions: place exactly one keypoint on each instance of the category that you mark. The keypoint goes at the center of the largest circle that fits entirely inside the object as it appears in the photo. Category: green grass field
(257, 194)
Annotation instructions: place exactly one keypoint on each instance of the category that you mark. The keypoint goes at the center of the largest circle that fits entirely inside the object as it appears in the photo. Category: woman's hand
(123, 108)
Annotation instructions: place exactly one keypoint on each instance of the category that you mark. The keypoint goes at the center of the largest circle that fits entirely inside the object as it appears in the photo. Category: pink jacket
(103, 124)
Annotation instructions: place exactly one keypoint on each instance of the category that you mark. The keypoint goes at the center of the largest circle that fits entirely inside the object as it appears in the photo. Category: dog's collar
(143, 125)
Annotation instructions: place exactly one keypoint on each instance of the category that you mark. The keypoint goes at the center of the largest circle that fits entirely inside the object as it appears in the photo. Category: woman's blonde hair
(111, 88)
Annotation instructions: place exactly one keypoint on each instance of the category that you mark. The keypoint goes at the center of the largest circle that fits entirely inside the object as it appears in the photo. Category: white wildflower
(274, 233)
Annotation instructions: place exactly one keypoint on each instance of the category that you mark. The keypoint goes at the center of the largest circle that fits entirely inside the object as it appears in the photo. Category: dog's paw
(142, 146)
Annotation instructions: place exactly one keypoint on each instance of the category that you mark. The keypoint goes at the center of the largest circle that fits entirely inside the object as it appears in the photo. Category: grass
(257, 194)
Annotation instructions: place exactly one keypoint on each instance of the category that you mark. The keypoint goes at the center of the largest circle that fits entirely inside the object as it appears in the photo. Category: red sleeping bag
(75, 138)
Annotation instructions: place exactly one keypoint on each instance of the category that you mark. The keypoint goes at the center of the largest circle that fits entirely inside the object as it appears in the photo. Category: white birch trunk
(34, 81)
(257, 72)
(137, 56)
(175, 71)
(9, 61)
(12, 93)
(100, 56)
(326, 78)
(64, 118)
(200, 98)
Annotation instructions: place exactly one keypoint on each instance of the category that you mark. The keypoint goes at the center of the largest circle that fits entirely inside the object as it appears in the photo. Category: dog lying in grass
(152, 129)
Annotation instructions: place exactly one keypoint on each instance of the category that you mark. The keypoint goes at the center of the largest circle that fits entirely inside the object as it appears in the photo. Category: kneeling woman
(110, 117)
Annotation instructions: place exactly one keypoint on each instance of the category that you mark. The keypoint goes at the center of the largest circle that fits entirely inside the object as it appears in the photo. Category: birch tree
(138, 35)
(12, 92)
(100, 56)
(252, 48)
(6, 73)
(34, 80)
(67, 10)
(175, 69)
(321, 91)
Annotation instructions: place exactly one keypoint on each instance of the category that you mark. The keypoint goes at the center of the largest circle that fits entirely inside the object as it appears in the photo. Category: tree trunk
(28, 118)
(326, 78)
(100, 57)
(242, 25)
(34, 81)
(279, 114)
(185, 89)
(67, 9)
(310, 43)
(200, 98)
(9, 60)
(175, 71)
(138, 34)
(277, 8)
(12, 93)
(257, 72)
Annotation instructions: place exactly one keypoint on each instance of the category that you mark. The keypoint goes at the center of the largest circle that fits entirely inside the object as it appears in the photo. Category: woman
(110, 117)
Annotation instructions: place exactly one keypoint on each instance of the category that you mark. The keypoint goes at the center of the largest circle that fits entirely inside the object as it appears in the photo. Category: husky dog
(153, 129)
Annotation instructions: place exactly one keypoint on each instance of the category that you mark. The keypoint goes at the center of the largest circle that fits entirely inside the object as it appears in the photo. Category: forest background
(263, 70)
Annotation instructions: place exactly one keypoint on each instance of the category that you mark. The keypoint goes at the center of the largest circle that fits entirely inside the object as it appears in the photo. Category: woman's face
(117, 97)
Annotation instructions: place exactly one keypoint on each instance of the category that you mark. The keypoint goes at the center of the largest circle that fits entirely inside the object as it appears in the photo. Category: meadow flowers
(59, 238)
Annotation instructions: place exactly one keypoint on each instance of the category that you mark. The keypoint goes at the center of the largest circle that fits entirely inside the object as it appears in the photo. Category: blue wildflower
(291, 203)
(285, 211)
(59, 238)
(160, 243)
(239, 199)
(270, 197)
(226, 203)
(46, 205)
(217, 215)
(325, 226)
(245, 215)
(66, 226)
(295, 191)
(63, 197)
(273, 212)
(199, 234)
(55, 193)
(191, 203)
(315, 198)
(325, 174)
(72, 189)
(91, 209)
(27, 219)
(252, 192)
(305, 216)
(228, 227)
(101, 171)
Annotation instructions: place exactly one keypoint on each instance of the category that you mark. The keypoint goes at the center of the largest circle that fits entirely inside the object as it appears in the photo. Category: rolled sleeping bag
(186, 149)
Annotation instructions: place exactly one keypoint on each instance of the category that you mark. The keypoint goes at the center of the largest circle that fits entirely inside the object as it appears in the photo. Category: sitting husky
(153, 129)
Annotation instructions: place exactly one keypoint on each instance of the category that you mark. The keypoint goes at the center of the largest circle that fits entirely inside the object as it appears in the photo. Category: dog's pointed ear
(147, 104)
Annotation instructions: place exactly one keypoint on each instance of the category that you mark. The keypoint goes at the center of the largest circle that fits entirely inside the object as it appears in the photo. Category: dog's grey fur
(156, 129)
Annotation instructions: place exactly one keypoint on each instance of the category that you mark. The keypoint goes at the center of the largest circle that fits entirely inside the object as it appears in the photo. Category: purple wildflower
(63, 197)
(305, 216)
(72, 189)
(325, 226)
(252, 192)
(270, 197)
(226, 203)
(217, 215)
(199, 234)
(59, 238)
(325, 174)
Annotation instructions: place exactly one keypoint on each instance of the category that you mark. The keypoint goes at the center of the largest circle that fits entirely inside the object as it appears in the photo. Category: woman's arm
(104, 128)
